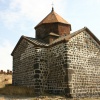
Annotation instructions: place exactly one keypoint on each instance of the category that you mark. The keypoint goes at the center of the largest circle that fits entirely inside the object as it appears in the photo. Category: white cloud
(33, 10)
(9, 18)
(5, 57)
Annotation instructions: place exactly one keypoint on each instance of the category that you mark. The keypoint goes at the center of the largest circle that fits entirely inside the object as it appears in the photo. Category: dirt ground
(43, 98)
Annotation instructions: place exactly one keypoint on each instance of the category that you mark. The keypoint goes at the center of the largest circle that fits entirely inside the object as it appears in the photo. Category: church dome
(53, 17)
(52, 23)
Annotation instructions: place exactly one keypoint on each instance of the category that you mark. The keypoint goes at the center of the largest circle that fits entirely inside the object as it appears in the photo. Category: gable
(87, 31)
(83, 50)
(33, 41)
(20, 47)
(90, 39)
(84, 43)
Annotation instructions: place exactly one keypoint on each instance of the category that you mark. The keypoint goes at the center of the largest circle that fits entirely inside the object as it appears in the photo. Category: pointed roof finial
(52, 9)
(52, 6)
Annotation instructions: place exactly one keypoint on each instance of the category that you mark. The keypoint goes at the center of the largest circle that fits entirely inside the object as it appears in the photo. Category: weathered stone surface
(85, 63)
(67, 65)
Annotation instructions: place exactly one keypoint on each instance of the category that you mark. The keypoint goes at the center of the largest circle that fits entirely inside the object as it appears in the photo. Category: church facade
(57, 61)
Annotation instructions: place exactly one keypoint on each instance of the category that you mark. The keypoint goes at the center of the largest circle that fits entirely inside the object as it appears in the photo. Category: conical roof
(53, 17)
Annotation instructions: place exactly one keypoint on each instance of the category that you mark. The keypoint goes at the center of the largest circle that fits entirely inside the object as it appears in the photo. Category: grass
(6, 88)
(20, 91)
(17, 90)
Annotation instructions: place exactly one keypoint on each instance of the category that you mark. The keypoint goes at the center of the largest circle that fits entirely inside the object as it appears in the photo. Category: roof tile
(53, 17)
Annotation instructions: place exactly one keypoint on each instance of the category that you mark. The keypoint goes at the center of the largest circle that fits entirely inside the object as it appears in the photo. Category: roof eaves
(36, 43)
(68, 37)
(17, 44)
(26, 38)
(93, 36)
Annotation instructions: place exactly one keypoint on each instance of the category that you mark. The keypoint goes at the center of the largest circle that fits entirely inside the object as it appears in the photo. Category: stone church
(57, 61)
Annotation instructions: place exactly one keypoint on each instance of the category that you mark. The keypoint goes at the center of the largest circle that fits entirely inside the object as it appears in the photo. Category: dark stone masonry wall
(84, 66)
(23, 62)
(40, 69)
(71, 68)
(57, 62)
(30, 66)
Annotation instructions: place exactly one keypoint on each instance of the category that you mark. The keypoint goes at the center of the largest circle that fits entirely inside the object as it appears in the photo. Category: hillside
(5, 79)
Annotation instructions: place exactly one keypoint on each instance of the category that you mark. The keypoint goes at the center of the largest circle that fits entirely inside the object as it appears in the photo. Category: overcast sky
(19, 17)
